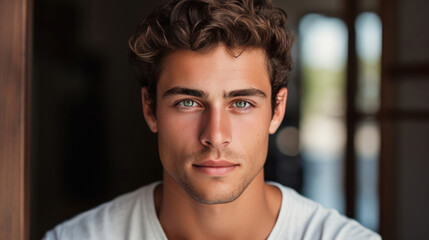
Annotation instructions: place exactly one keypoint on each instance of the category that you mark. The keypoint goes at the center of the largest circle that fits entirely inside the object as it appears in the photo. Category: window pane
(367, 145)
(323, 42)
(367, 139)
(368, 47)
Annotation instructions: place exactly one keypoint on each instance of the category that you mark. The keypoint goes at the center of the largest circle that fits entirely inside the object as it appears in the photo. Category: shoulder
(111, 220)
(302, 218)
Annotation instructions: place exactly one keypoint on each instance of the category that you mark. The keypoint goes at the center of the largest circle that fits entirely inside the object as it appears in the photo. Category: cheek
(251, 133)
(176, 134)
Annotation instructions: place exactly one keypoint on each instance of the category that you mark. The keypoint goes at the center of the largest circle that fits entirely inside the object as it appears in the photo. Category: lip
(215, 167)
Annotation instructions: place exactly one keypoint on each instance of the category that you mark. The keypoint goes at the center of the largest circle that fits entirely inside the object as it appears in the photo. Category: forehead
(219, 69)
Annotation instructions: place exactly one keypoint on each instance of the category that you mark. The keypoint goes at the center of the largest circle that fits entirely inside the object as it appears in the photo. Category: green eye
(241, 104)
(188, 103)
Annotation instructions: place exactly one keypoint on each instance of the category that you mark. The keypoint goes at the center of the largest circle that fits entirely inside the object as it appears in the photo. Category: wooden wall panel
(14, 131)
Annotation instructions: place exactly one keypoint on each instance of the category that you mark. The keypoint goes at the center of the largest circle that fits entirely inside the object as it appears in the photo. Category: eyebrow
(246, 93)
(185, 91)
(202, 94)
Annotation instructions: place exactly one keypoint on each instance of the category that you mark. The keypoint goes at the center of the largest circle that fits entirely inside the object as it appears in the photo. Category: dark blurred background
(354, 136)
(90, 141)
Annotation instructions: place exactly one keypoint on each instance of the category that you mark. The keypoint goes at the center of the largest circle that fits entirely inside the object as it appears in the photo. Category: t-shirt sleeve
(129, 216)
(50, 236)
(302, 218)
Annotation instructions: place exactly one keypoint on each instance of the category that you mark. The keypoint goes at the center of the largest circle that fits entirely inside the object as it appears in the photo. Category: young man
(214, 75)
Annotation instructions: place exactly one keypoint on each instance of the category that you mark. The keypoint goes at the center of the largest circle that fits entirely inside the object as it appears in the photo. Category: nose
(215, 129)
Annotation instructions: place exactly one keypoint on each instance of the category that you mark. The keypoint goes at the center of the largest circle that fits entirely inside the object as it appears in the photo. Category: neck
(184, 218)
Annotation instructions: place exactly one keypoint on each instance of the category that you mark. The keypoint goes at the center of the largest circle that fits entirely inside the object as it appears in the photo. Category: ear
(148, 114)
(279, 111)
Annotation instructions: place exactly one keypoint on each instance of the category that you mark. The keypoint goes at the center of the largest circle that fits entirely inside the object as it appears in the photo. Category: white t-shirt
(132, 216)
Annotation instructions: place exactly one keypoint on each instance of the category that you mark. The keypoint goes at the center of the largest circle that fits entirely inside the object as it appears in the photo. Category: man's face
(213, 118)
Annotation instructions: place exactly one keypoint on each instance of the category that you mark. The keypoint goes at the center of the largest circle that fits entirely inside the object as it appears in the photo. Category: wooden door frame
(15, 82)
(387, 165)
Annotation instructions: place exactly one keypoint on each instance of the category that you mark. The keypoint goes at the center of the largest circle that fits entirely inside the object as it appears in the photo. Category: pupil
(188, 103)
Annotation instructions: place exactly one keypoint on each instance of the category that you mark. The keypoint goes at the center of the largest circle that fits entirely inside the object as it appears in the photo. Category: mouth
(215, 167)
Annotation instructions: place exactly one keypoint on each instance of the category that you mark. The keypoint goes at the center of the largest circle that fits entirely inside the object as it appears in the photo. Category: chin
(215, 199)
(214, 193)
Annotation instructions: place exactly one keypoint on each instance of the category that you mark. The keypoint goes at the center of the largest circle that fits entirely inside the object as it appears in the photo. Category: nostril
(208, 143)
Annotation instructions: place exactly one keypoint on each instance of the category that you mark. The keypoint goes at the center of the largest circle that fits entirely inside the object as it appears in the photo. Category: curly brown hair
(201, 25)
